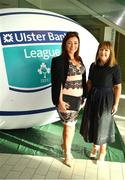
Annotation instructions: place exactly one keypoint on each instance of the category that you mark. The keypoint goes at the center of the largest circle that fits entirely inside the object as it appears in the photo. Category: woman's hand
(83, 101)
(63, 106)
(114, 109)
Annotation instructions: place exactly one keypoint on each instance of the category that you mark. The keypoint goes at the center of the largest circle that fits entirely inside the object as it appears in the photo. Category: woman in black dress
(104, 89)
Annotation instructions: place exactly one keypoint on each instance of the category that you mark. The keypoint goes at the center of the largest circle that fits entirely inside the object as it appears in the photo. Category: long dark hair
(64, 50)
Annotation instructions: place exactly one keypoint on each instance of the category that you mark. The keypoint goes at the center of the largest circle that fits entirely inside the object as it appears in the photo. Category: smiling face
(104, 54)
(72, 45)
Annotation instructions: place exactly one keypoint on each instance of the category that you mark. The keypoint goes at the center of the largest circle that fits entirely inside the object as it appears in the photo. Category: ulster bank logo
(21, 37)
(7, 38)
(27, 57)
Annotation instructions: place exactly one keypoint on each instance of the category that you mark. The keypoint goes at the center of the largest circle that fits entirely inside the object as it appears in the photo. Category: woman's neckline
(75, 63)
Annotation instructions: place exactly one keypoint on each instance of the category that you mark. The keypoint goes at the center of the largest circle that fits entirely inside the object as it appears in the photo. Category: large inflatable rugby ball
(29, 38)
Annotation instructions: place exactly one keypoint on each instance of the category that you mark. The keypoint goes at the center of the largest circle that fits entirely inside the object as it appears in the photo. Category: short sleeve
(90, 71)
(117, 75)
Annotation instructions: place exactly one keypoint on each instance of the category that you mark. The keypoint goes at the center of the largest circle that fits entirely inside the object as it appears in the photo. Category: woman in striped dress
(68, 77)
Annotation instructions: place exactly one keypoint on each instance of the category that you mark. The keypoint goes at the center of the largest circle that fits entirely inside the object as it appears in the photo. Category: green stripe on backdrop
(46, 140)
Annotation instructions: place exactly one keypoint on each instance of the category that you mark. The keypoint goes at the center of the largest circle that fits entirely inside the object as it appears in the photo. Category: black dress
(97, 123)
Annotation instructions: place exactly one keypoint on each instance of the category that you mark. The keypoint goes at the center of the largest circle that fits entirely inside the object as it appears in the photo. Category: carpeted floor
(46, 140)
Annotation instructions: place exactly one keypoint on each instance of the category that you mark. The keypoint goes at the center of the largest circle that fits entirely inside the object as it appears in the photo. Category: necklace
(75, 63)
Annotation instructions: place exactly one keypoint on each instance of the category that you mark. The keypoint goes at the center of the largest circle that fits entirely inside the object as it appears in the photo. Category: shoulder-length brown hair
(64, 50)
(112, 60)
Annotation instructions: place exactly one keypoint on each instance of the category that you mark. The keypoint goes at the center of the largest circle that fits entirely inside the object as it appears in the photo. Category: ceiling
(110, 12)
(8, 4)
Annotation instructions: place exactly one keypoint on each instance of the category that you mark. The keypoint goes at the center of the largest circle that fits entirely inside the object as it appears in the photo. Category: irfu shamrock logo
(43, 70)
